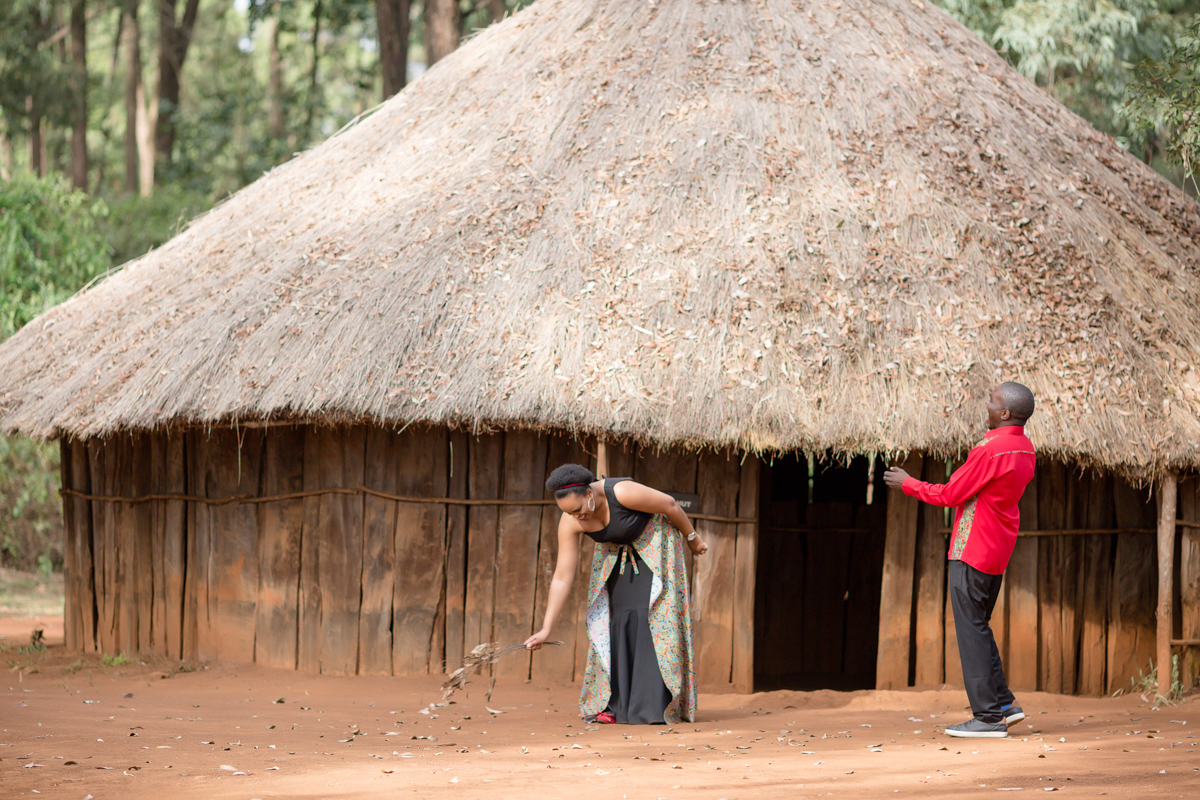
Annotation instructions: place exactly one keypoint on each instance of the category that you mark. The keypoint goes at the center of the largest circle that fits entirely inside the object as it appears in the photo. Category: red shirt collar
(1006, 430)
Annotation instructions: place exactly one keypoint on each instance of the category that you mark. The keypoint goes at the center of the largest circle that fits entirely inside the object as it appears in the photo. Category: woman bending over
(639, 622)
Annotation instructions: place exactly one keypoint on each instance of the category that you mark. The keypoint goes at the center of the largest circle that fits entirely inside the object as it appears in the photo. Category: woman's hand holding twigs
(536, 641)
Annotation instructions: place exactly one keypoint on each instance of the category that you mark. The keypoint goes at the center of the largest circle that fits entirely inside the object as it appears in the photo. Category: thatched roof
(767, 224)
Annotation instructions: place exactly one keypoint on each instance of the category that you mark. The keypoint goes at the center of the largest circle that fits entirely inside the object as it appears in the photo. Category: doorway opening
(820, 563)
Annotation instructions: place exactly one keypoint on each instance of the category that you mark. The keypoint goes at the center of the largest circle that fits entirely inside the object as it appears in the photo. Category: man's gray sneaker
(1012, 714)
(978, 729)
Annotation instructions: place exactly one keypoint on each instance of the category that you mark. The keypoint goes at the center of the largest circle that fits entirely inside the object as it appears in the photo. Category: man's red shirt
(984, 493)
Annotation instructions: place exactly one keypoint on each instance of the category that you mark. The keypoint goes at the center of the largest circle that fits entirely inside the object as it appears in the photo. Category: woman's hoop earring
(591, 503)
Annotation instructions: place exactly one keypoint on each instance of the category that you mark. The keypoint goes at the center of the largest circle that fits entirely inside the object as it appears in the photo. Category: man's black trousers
(973, 595)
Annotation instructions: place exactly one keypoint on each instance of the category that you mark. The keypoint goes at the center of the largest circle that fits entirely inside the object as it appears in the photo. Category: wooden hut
(744, 251)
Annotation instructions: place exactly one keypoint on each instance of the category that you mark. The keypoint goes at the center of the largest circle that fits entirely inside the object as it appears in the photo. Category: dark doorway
(820, 562)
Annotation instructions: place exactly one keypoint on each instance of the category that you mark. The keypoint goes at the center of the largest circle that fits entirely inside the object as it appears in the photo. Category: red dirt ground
(77, 728)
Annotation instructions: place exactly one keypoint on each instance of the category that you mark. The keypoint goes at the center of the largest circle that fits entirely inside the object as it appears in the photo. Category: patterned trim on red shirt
(962, 531)
(1015, 452)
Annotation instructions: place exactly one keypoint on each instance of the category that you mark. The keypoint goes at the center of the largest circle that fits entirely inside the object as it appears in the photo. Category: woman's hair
(569, 479)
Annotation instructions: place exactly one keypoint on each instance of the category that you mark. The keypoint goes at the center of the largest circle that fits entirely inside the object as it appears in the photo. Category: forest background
(121, 120)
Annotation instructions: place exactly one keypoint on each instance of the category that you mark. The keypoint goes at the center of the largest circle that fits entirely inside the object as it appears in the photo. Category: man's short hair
(1017, 399)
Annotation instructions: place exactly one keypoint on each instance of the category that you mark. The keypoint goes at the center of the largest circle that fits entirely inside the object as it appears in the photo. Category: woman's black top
(624, 524)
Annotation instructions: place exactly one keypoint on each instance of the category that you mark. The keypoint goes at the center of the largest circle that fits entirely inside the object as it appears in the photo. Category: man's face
(997, 412)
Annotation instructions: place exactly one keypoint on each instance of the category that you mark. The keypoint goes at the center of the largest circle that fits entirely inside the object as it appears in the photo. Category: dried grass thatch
(768, 224)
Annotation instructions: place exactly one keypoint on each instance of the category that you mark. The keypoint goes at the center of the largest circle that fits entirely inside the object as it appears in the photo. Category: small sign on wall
(690, 503)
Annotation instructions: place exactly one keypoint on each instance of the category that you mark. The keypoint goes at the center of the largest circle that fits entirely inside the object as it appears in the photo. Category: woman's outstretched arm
(564, 576)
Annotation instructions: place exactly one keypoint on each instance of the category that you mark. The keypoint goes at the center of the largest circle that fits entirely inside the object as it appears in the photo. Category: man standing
(984, 493)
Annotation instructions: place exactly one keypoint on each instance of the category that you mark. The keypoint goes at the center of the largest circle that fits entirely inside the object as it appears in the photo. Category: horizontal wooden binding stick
(243, 498)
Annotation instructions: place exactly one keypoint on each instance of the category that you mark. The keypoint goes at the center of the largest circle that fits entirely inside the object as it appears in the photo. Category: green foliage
(1084, 52)
(49, 247)
(1166, 95)
(1146, 684)
(137, 224)
(29, 67)
(30, 510)
(119, 660)
(37, 642)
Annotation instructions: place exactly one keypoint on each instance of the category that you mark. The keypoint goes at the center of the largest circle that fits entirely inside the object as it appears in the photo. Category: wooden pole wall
(351, 582)
(1166, 579)
(1077, 613)
(354, 583)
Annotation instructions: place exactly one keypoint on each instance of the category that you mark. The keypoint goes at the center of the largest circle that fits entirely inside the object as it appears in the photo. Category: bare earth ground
(77, 728)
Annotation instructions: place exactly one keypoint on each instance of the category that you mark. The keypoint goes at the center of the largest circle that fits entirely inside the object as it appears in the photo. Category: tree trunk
(131, 35)
(147, 121)
(173, 41)
(79, 159)
(497, 9)
(7, 156)
(37, 148)
(311, 104)
(392, 16)
(443, 29)
(275, 121)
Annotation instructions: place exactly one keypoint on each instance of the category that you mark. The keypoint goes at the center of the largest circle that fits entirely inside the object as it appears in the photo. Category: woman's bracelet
(691, 536)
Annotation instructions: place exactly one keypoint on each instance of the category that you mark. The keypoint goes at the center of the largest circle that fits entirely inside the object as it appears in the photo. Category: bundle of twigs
(482, 655)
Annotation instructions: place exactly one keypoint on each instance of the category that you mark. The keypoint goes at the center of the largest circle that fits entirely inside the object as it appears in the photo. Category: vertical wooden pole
(1134, 589)
(519, 532)
(456, 548)
(232, 467)
(745, 565)
(557, 664)
(128, 575)
(484, 469)
(714, 598)
(172, 477)
(84, 576)
(601, 458)
(1096, 577)
(1189, 580)
(72, 631)
(380, 472)
(308, 593)
(1052, 507)
(1166, 578)
(931, 587)
(280, 527)
(1021, 585)
(896, 592)
(420, 546)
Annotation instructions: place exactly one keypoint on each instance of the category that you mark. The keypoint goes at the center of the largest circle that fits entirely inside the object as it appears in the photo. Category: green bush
(31, 522)
(136, 224)
(50, 246)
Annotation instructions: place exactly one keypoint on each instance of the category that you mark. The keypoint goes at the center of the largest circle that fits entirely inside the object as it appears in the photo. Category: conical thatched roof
(770, 224)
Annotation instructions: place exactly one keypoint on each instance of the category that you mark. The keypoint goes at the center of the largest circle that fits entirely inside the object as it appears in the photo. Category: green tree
(1165, 94)
(50, 246)
(1084, 52)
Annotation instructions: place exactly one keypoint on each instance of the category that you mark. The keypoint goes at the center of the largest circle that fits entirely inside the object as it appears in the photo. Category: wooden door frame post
(896, 590)
(601, 458)
(1166, 577)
